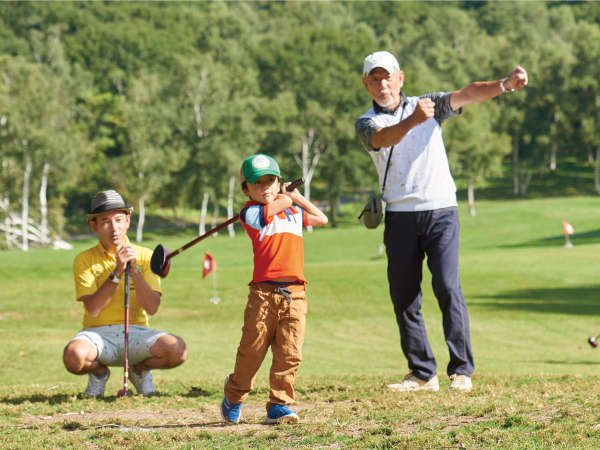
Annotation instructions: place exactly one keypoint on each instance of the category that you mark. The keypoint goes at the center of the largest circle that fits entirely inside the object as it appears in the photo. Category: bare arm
(316, 217)
(96, 302)
(280, 203)
(146, 297)
(481, 91)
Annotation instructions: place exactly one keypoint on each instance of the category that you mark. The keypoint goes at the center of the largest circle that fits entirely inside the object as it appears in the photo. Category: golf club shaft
(205, 235)
(293, 185)
(126, 347)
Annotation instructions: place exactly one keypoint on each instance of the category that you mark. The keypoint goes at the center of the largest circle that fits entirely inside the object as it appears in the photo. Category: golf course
(154, 123)
(533, 303)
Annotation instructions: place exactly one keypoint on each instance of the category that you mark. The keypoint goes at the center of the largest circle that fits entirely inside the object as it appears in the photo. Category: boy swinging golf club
(275, 314)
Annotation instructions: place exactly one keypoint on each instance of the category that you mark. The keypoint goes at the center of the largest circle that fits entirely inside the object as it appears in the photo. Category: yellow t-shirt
(92, 268)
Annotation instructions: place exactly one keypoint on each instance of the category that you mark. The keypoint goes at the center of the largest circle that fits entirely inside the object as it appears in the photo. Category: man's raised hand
(424, 110)
(516, 80)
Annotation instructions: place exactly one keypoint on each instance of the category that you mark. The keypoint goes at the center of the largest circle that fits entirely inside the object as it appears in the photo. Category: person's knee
(447, 287)
(74, 358)
(172, 349)
(179, 353)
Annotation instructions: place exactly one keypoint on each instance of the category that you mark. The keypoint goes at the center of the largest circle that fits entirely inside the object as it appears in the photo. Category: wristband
(115, 279)
(502, 85)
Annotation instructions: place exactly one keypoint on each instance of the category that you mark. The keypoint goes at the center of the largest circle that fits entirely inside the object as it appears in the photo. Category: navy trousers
(408, 237)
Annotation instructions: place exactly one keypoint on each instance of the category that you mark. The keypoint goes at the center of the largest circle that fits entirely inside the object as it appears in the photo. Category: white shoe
(142, 380)
(460, 382)
(412, 383)
(97, 384)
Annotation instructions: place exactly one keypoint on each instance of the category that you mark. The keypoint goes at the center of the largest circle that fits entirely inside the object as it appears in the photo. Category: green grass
(532, 305)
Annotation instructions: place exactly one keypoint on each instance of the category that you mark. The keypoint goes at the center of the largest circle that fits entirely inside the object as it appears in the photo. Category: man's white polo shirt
(419, 177)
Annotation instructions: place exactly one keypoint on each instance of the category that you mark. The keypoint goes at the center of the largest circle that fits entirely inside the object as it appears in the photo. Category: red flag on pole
(209, 264)
(568, 229)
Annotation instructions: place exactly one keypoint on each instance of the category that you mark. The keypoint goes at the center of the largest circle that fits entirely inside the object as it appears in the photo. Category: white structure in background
(19, 236)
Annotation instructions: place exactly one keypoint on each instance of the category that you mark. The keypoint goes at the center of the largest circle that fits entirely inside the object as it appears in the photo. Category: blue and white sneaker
(281, 414)
(231, 412)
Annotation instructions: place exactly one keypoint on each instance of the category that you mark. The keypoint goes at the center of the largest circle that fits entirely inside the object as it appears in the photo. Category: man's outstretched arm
(481, 91)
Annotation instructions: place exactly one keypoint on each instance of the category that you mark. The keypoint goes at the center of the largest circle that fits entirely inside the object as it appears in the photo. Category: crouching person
(99, 286)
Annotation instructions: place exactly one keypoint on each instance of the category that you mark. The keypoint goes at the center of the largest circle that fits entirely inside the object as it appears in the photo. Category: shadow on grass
(56, 399)
(197, 392)
(591, 237)
(571, 363)
(581, 300)
(76, 426)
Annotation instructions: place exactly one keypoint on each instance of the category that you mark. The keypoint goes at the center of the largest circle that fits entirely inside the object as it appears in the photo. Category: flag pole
(568, 230)
(214, 283)
(214, 299)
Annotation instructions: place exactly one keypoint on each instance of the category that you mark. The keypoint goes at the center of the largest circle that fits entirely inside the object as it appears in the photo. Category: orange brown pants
(270, 319)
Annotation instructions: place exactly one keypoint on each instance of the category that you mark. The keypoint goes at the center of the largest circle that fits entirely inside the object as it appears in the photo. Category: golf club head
(593, 341)
(159, 264)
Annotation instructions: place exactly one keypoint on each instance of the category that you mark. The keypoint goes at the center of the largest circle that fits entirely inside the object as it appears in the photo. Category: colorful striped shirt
(276, 241)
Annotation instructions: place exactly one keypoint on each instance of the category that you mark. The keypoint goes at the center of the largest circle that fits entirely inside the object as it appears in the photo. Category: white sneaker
(460, 382)
(97, 384)
(412, 383)
(142, 380)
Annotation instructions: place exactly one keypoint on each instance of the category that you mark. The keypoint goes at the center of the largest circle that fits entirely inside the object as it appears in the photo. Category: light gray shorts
(109, 340)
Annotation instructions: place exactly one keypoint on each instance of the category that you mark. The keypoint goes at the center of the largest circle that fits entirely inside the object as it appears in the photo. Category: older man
(403, 136)
(99, 287)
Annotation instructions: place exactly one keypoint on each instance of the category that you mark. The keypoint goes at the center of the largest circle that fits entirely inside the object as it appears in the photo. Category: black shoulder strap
(387, 167)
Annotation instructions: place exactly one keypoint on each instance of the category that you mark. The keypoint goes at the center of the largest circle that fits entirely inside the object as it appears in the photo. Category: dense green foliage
(163, 100)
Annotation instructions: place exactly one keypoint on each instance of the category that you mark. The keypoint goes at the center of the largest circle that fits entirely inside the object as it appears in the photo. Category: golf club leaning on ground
(161, 257)
(123, 391)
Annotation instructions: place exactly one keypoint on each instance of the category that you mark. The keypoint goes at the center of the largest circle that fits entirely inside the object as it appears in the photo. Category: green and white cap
(256, 166)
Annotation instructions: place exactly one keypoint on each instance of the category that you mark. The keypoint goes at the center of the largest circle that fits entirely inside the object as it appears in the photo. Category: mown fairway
(532, 303)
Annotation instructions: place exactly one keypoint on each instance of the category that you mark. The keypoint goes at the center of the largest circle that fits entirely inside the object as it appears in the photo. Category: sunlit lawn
(532, 304)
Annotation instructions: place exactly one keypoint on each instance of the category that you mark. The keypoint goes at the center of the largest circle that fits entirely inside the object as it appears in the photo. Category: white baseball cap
(383, 59)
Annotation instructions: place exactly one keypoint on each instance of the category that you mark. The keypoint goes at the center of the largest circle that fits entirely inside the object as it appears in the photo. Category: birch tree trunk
(516, 165)
(230, 195)
(4, 205)
(44, 205)
(203, 209)
(308, 163)
(554, 147)
(215, 216)
(25, 204)
(524, 183)
(198, 120)
(471, 196)
(141, 217)
(194, 98)
(553, 158)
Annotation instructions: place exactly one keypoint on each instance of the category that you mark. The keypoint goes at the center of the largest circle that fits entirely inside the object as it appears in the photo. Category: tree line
(163, 101)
